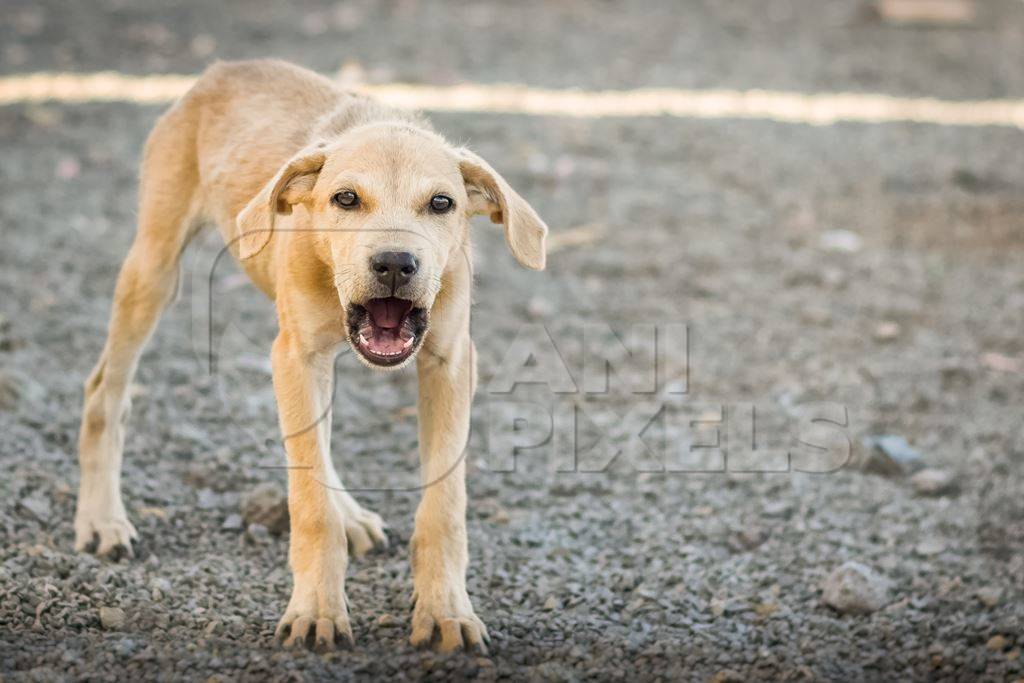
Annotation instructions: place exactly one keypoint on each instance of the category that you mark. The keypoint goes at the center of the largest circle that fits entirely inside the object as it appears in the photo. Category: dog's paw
(448, 624)
(313, 631)
(317, 614)
(318, 629)
(106, 535)
(364, 530)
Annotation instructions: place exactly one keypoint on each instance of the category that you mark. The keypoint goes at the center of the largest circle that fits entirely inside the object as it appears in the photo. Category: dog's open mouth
(386, 331)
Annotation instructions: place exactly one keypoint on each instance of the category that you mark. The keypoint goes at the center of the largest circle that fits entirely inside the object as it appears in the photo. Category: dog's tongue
(388, 313)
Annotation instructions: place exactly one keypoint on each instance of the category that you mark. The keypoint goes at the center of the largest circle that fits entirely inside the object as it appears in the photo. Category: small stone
(778, 509)
(19, 389)
(158, 513)
(112, 618)
(257, 533)
(996, 643)
(500, 516)
(1001, 363)
(125, 647)
(840, 241)
(989, 596)
(930, 546)
(539, 307)
(817, 315)
(266, 505)
(233, 523)
(890, 455)
(551, 604)
(727, 676)
(720, 606)
(387, 621)
(933, 482)
(68, 168)
(208, 500)
(36, 505)
(886, 331)
(751, 537)
(855, 589)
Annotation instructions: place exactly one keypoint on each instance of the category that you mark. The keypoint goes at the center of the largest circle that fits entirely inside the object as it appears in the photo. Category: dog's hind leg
(146, 284)
(363, 528)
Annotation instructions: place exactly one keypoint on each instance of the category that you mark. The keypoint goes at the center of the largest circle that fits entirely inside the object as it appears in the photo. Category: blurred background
(819, 250)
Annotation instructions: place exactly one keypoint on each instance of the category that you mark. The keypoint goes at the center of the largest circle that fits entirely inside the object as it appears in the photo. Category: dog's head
(388, 206)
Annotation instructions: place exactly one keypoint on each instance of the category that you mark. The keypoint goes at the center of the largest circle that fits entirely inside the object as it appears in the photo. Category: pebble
(17, 389)
(161, 584)
(539, 307)
(891, 455)
(233, 522)
(125, 647)
(996, 643)
(112, 618)
(387, 621)
(257, 533)
(266, 505)
(930, 546)
(854, 588)
(37, 505)
(989, 596)
(840, 241)
(886, 331)
(751, 537)
(501, 516)
(817, 315)
(1001, 363)
(933, 482)
(68, 168)
(207, 499)
(777, 509)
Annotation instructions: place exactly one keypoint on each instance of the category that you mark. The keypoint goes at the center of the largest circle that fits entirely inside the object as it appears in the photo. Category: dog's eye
(440, 203)
(346, 200)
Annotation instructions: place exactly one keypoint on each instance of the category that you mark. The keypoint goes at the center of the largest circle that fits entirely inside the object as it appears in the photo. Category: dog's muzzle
(386, 331)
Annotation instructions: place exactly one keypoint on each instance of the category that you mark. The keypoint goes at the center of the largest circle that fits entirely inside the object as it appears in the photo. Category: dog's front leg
(439, 548)
(318, 552)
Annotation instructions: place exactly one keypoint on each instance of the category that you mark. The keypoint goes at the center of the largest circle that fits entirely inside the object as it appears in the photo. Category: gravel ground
(873, 267)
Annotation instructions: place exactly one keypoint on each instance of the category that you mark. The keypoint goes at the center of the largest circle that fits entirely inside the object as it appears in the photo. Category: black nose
(394, 268)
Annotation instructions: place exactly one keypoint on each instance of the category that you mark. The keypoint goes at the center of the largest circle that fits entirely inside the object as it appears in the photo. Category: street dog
(353, 218)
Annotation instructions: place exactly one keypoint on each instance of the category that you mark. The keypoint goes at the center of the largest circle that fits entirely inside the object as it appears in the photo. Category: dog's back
(237, 125)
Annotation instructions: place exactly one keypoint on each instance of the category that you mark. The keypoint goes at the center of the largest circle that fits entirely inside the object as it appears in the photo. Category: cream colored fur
(259, 148)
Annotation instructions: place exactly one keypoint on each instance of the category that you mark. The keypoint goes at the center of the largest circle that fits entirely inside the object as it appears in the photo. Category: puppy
(354, 219)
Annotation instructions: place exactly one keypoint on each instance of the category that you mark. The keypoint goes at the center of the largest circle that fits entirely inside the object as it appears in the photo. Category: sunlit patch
(788, 107)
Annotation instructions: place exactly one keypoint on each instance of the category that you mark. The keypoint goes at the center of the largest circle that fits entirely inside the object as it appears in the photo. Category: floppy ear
(291, 185)
(490, 194)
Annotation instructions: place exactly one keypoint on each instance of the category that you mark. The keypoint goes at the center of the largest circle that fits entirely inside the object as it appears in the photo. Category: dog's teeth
(408, 342)
(362, 339)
